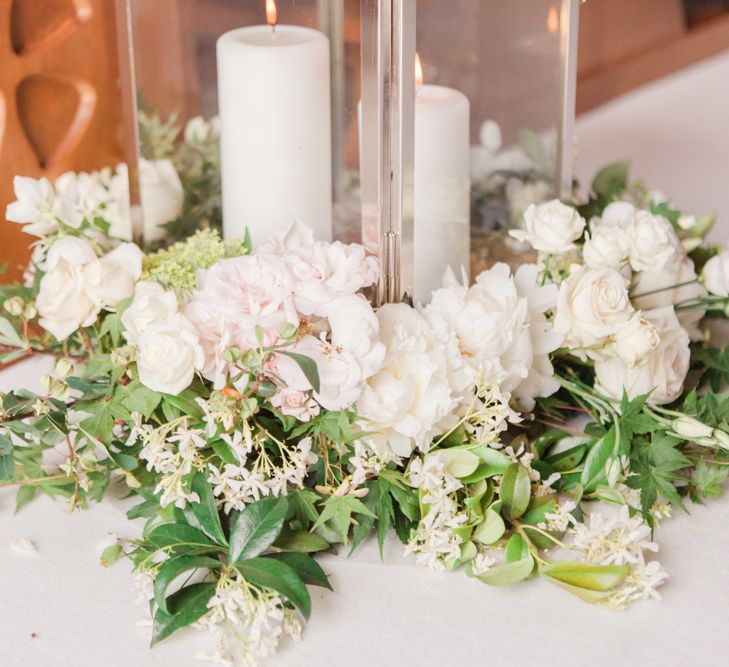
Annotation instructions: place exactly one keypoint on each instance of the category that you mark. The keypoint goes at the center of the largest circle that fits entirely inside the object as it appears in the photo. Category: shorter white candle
(441, 186)
(275, 130)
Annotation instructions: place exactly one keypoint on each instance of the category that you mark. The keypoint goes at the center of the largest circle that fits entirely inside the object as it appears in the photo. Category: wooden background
(60, 103)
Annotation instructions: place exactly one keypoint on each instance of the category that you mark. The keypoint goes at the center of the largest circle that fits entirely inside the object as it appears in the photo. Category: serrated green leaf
(256, 528)
(173, 568)
(179, 537)
(204, 515)
(300, 541)
(600, 453)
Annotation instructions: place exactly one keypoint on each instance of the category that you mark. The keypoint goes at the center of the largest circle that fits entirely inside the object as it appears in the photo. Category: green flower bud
(30, 311)
(14, 306)
(64, 368)
(231, 354)
(287, 330)
(123, 356)
(45, 382)
(40, 408)
(59, 390)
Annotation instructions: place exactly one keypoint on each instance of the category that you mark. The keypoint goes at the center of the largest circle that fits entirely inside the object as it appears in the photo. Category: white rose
(653, 242)
(716, 274)
(63, 303)
(162, 197)
(607, 246)
(663, 374)
(169, 354)
(592, 305)
(404, 403)
(655, 290)
(635, 341)
(552, 227)
(111, 279)
(151, 305)
(617, 214)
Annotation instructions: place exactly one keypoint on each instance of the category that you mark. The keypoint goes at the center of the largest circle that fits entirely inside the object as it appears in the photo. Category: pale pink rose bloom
(295, 403)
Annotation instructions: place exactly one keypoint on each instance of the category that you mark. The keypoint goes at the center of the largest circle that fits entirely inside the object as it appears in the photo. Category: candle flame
(418, 71)
(271, 12)
(552, 21)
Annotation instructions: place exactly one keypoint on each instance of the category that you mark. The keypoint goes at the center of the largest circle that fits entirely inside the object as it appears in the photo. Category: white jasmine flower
(640, 584)
(662, 375)
(561, 519)
(482, 563)
(552, 227)
(592, 305)
(40, 208)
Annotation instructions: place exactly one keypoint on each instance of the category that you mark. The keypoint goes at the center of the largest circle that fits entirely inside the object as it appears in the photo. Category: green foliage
(256, 528)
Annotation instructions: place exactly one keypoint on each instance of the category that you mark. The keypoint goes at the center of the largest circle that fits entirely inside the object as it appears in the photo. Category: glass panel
(486, 129)
(289, 121)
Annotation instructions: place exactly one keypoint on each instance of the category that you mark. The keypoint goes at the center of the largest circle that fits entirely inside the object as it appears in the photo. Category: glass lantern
(278, 79)
(420, 128)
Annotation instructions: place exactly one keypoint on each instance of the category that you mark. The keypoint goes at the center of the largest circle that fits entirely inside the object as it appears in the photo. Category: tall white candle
(275, 116)
(441, 186)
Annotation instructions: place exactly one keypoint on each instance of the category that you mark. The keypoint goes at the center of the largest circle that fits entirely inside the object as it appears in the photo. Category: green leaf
(256, 528)
(586, 575)
(306, 567)
(185, 607)
(531, 144)
(301, 541)
(600, 453)
(458, 462)
(515, 491)
(508, 573)
(7, 462)
(516, 549)
(204, 515)
(180, 537)
(25, 495)
(139, 398)
(610, 181)
(491, 528)
(709, 478)
(8, 334)
(307, 366)
(173, 568)
(538, 507)
(280, 577)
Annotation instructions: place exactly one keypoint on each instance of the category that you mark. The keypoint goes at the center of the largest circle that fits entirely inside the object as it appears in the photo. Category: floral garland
(541, 422)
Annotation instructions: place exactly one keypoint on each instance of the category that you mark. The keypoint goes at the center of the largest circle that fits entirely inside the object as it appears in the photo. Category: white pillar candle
(275, 119)
(441, 186)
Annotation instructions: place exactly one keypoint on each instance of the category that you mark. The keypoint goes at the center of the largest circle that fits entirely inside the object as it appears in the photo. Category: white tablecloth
(60, 608)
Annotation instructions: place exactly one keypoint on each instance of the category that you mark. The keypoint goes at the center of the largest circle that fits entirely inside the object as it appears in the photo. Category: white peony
(676, 284)
(152, 304)
(320, 272)
(500, 328)
(552, 227)
(653, 242)
(716, 274)
(592, 305)
(663, 374)
(169, 354)
(606, 247)
(635, 341)
(406, 401)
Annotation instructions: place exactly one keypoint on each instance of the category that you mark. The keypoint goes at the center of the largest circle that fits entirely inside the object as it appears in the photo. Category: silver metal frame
(387, 140)
(570, 28)
(128, 79)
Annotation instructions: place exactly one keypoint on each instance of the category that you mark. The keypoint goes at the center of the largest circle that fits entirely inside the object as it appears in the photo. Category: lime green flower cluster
(175, 267)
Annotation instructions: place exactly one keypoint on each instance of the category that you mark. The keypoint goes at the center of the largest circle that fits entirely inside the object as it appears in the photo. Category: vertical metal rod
(387, 136)
(331, 23)
(569, 27)
(128, 81)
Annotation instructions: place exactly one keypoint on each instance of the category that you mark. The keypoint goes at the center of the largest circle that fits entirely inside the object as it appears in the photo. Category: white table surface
(60, 608)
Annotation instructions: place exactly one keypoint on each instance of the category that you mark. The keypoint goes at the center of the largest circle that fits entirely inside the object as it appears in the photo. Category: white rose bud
(162, 196)
(690, 428)
(721, 437)
(636, 340)
(14, 306)
(653, 242)
(606, 247)
(169, 354)
(716, 274)
(552, 227)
